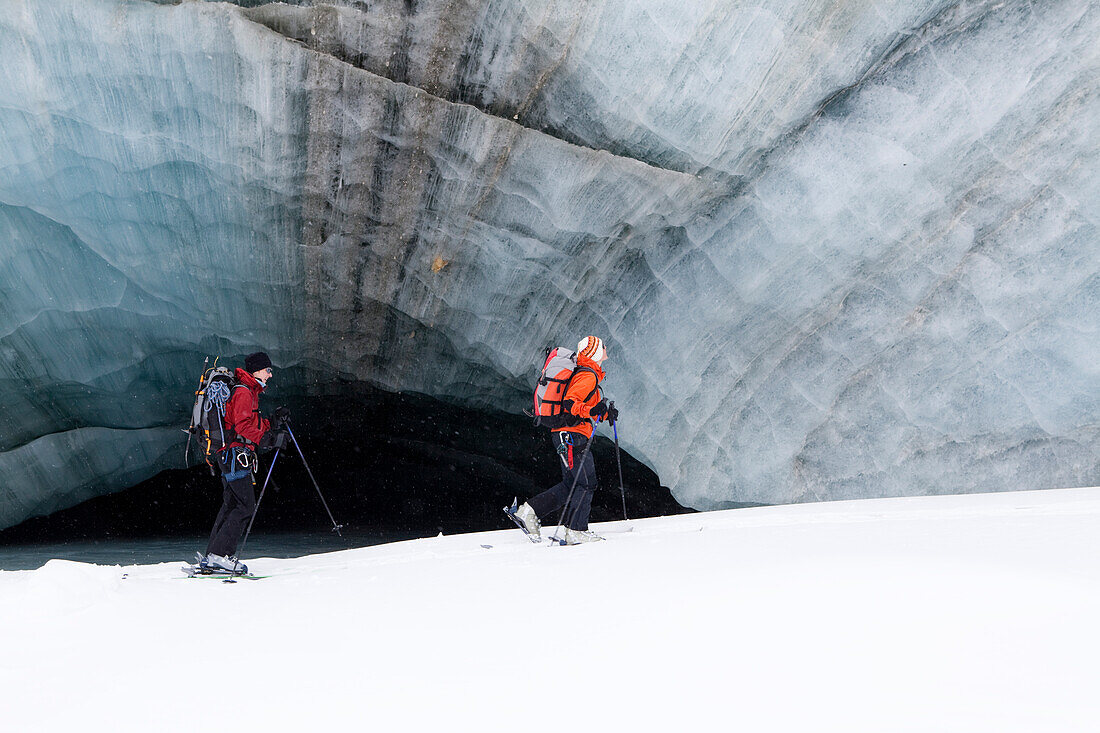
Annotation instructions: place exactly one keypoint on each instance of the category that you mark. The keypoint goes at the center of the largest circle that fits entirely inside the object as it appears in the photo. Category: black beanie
(256, 362)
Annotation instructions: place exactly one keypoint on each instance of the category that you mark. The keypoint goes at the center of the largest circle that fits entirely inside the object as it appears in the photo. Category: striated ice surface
(837, 249)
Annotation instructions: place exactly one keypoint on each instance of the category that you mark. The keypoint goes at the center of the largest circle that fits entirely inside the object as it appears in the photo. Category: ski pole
(257, 507)
(622, 491)
(336, 527)
(569, 498)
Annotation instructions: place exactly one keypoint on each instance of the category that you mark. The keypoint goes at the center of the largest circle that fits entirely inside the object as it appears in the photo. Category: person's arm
(583, 385)
(243, 418)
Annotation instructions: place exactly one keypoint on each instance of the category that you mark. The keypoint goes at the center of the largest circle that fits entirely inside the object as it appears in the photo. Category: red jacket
(584, 391)
(242, 411)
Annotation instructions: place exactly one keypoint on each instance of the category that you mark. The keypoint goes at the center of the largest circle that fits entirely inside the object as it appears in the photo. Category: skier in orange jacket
(586, 405)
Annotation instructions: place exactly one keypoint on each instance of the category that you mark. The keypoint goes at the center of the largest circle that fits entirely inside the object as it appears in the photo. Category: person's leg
(240, 502)
(227, 503)
(244, 493)
(554, 498)
(550, 500)
(580, 506)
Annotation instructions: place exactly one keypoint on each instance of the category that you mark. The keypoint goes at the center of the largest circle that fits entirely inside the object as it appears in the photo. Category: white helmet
(592, 347)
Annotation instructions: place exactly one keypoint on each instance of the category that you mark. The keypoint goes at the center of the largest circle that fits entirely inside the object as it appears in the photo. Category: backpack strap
(591, 371)
(577, 371)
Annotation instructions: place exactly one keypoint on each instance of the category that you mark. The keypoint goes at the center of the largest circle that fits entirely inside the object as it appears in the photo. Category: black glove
(282, 414)
(279, 438)
(599, 409)
(274, 438)
(612, 412)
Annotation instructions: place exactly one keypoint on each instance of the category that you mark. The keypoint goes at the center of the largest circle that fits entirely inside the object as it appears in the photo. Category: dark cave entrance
(395, 464)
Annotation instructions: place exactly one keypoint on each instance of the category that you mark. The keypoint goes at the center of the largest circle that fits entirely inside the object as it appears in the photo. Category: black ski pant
(584, 472)
(238, 503)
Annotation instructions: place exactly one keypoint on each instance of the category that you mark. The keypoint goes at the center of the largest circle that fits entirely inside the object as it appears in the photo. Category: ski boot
(525, 518)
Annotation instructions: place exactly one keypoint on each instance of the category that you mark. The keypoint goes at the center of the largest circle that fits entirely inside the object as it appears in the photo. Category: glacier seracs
(837, 250)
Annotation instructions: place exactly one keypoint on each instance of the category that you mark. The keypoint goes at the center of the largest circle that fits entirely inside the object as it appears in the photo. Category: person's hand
(612, 412)
(599, 409)
(279, 437)
(274, 438)
(282, 414)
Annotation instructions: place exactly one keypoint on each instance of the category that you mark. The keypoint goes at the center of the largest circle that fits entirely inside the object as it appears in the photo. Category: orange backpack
(557, 373)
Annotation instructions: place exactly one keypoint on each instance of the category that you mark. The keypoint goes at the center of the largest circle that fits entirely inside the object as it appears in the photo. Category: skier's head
(259, 366)
(593, 348)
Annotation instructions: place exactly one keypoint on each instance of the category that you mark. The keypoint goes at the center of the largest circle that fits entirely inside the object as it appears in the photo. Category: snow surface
(949, 613)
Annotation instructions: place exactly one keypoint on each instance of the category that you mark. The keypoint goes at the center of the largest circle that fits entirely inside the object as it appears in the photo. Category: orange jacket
(584, 391)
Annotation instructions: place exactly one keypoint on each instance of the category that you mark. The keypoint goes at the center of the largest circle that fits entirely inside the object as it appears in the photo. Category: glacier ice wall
(837, 249)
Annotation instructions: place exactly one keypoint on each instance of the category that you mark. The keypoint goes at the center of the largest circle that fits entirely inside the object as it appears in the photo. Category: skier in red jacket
(237, 462)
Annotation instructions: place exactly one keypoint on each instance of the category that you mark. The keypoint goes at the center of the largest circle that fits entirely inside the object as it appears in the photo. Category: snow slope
(951, 613)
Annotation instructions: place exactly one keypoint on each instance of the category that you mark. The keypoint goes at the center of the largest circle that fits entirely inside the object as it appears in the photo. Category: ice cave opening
(389, 463)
